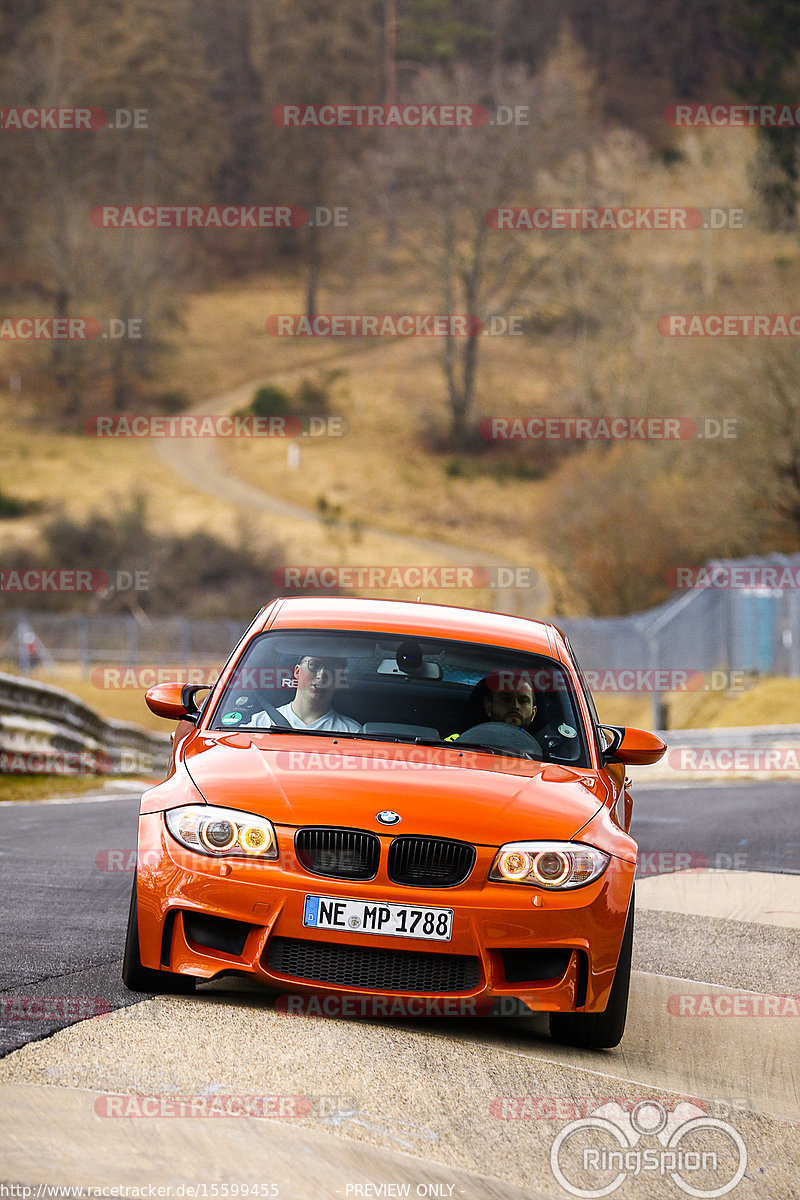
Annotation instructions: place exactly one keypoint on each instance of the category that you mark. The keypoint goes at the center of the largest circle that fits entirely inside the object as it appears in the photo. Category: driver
(513, 704)
(312, 706)
(503, 696)
(508, 697)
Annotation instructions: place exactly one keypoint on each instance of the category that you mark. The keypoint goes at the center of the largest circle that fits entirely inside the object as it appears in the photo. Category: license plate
(375, 916)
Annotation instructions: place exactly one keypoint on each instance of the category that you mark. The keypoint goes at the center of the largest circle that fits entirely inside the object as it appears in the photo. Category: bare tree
(140, 57)
(311, 53)
(452, 177)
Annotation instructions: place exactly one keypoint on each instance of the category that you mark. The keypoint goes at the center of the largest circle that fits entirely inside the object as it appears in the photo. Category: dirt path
(197, 460)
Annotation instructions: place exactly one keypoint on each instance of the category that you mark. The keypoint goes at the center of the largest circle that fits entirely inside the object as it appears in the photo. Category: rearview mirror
(175, 701)
(634, 747)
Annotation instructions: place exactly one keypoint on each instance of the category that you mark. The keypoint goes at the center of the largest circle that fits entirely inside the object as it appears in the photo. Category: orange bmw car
(389, 803)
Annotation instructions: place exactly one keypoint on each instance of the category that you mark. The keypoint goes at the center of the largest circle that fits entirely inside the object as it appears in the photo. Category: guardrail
(45, 730)
(725, 753)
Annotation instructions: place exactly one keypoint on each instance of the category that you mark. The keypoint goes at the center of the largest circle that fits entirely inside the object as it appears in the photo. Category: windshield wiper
(287, 729)
(384, 737)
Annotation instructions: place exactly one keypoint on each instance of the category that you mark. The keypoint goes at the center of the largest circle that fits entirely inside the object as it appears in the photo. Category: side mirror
(175, 701)
(634, 747)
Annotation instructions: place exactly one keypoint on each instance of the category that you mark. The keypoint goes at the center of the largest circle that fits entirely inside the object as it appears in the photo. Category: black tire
(142, 979)
(603, 1030)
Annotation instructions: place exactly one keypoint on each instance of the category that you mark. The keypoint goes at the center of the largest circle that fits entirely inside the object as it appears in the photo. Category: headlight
(553, 865)
(222, 832)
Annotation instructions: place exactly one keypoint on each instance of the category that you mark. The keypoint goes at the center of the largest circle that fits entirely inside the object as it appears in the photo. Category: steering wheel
(501, 736)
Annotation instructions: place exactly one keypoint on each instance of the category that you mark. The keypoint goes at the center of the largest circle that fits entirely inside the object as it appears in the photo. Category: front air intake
(338, 853)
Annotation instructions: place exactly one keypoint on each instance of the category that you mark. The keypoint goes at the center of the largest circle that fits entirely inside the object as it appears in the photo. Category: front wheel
(601, 1031)
(142, 979)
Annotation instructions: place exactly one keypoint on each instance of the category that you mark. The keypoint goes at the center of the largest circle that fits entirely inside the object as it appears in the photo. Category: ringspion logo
(702, 1155)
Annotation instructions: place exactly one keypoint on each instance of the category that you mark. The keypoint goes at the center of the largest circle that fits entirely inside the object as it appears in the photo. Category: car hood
(307, 781)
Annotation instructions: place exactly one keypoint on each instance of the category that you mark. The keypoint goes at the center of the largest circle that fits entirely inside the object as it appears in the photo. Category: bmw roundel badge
(387, 817)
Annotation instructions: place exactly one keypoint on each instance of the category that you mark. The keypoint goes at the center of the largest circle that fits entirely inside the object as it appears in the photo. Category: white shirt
(332, 721)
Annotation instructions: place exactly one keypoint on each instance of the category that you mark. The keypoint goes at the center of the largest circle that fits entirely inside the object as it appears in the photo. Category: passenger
(318, 680)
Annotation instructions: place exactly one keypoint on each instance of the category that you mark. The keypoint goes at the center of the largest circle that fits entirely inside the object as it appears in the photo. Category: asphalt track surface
(62, 924)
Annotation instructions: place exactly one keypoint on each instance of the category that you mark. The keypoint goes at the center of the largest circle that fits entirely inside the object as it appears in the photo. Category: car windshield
(406, 689)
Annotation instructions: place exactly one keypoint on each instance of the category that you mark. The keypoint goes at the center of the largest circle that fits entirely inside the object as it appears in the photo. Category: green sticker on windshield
(232, 718)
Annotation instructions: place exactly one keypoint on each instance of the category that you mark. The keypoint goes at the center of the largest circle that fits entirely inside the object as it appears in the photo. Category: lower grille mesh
(376, 969)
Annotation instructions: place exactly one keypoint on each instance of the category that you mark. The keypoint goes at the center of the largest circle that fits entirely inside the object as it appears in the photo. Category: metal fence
(753, 629)
(29, 638)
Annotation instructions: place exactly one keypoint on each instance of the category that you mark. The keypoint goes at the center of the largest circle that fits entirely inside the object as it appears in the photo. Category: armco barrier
(693, 754)
(43, 724)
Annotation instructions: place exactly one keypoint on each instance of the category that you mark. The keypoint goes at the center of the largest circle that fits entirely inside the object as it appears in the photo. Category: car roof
(423, 620)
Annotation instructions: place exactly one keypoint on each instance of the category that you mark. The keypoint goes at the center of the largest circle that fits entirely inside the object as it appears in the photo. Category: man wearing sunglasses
(318, 680)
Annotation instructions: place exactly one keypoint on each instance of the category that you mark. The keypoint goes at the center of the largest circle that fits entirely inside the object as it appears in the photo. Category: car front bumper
(503, 937)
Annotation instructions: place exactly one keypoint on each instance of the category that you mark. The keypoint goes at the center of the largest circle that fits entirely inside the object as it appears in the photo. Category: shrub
(271, 401)
(11, 507)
